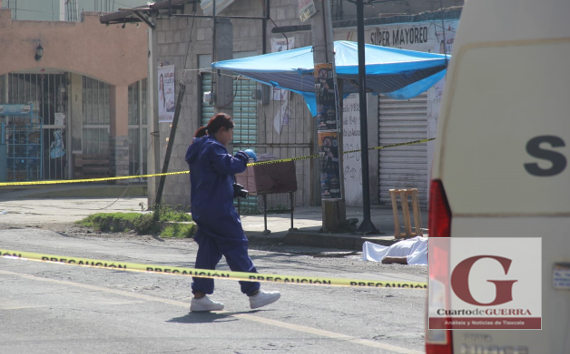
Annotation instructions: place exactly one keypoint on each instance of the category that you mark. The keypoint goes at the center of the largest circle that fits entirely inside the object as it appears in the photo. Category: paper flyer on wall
(166, 104)
(327, 128)
(282, 117)
(329, 165)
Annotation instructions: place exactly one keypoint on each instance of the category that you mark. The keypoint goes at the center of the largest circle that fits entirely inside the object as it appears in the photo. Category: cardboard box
(272, 178)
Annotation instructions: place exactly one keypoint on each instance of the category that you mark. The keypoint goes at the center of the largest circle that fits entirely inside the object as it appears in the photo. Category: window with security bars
(3, 98)
(96, 116)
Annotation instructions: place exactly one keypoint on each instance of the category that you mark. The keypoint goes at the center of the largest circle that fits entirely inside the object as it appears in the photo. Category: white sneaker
(205, 304)
(263, 298)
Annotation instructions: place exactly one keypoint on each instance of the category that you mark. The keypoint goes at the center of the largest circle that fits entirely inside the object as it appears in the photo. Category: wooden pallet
(90, 166)
(403, 193)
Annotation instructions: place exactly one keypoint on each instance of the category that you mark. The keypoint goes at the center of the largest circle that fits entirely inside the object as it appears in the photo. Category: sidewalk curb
(76, 190)
(338, 241)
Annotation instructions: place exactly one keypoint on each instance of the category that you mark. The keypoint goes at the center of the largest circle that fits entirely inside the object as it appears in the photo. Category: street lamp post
(366, 227)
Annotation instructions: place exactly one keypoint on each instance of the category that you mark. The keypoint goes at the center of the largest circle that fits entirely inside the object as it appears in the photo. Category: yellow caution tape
(284, 160)
(345, 152)
(103, 179)
(205, 273)
(394, 145)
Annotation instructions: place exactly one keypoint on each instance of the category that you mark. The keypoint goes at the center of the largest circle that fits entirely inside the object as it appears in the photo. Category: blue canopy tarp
(396, 73)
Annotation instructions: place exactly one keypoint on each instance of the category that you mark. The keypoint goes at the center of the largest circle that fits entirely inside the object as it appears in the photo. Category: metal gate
(49, 95)
(404, 166)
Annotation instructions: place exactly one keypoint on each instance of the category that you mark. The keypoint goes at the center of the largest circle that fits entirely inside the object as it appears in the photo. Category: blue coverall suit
(212, 171)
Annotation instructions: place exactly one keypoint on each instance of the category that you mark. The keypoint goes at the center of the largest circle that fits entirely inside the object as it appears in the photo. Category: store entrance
(48, 95)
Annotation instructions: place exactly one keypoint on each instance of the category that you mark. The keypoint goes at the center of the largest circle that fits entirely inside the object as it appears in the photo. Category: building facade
(279, 124)
(86, 86)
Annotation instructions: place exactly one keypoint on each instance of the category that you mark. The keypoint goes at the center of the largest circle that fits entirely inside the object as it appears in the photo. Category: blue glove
(251, 154)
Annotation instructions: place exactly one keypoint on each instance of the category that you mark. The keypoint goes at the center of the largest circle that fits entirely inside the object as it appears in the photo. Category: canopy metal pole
(366, 227)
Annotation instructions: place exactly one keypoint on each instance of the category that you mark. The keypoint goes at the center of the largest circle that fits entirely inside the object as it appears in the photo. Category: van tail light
(438, 341)
(439, 219)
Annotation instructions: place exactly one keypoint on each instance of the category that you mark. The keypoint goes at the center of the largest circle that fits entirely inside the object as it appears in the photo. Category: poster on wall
(166, 105)
(282, 44)
(282, 116)
(329, 165)
(307, 9)
(59, 119)
(326, 99)
(327, 129)
(351, 163)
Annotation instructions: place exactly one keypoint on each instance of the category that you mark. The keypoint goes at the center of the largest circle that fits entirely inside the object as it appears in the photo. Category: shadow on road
(206, 317)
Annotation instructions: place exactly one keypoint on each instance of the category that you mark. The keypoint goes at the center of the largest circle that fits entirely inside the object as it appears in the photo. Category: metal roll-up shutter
(402, 167)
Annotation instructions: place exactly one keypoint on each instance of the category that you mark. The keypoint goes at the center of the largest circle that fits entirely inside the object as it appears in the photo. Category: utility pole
(152, 99)
(169, 147)
(330, 172)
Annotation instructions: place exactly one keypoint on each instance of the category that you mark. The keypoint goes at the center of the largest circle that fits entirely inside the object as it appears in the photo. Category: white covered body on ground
(415, 249)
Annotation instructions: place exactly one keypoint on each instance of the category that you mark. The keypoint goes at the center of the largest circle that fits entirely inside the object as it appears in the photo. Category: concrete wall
(111, 54)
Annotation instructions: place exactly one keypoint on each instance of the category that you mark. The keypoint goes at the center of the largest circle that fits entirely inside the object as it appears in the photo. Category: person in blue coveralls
(220, 233)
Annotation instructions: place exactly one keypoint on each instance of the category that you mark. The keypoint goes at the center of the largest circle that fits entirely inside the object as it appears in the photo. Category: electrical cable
(274, 24)
(443, 27)
(235, 93)
(129, 184)
(189, 39)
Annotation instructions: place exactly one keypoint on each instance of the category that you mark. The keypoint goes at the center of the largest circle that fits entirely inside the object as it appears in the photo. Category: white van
(500, 165)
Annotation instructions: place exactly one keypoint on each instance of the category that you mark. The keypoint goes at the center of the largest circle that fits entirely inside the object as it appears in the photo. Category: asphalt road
(55, 308)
